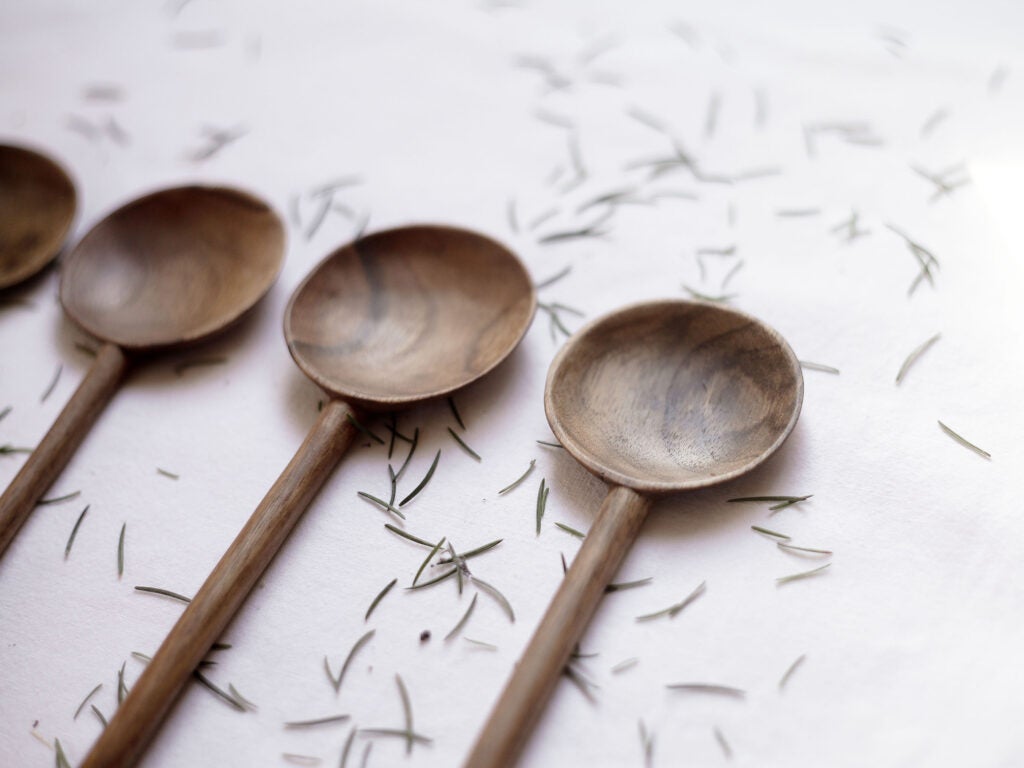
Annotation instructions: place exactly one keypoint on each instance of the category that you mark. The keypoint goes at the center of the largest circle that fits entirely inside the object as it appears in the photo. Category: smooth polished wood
(408, 314)
(165, 270)
(37, 207)
(123, 740)
(654, 399)
(173, 267)
(49, 458)
(540, 668)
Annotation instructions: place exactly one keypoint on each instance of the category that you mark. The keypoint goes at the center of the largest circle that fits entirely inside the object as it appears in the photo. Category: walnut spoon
(37, 206)
(654, 399)
(165, 270)
(392, 319)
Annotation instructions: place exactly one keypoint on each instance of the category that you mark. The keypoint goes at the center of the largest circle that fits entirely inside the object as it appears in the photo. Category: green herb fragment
(4, 412)
(412, 448)
(347, 748)
(8, 449)
(460, 565)
(423, 482)
(502, 601)
(199, 362)
(165, 473)
(120, 551)
(53, 383)
(809, 550)
(330, 720)
(122, 689)
(437, 580)
(789, 672)
(802, 575)
(81, 706)
(381, 503)
(964, 442)
(769, 532)
(336, 682)
(481, 644)
(99, 715)
(294, 759)
(694, 293)
(455, 413)
(141, 657)
(514, 483)
(396, 732)
(725, 690)
(428, 558)
(913, 356)
(462, 444)
(581, 681)
(409, 536)
(462, 622)
(407, 711)
(673, 610)
(591, 230)
(366, 756)
(570, 530)
(720, 738)
(220, 646)
(542, 501)
(622, 666)
(628, 585)
(74, 532)
(550, 445)
(220, 693)
(378, 598)
(62, 759)
(647, 743)
(818, 367)
(355, 423)
(782, 501)
(553, 279)
(59, 499)
(85, 349)
(241, 699)
(165, 593)
(473, 552)
(797, 212)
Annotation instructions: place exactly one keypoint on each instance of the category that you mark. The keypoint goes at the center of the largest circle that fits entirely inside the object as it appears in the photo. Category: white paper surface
(449, 112)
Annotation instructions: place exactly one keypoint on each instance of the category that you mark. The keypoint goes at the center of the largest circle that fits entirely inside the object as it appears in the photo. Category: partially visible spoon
(37, 206)
(655, 399)
(166, 270)
(390, 320)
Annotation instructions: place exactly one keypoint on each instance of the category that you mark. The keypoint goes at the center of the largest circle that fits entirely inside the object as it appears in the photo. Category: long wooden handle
(211, 610)
(57, 447)
(539, 670)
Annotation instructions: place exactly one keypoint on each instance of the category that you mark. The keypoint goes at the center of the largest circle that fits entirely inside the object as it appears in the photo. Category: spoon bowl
(166, 270)
(392, 319)
(37, 206)
(655, 399)
(408, 315)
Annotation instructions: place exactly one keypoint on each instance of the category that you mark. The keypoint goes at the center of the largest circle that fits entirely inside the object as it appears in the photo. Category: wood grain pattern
(173, 267)
(54, 451)
(656, 398)
(137, 719)
(667, 396)
(408, 314)
(37, 206)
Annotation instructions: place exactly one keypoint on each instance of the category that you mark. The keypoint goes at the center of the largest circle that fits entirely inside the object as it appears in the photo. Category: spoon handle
(47, 459)
(540, 668)
(138, 718)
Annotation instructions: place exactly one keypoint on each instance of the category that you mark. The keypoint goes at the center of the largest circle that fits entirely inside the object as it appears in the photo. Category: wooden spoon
(655, 399)
(165, 270)
(37, 206)
(392, 319)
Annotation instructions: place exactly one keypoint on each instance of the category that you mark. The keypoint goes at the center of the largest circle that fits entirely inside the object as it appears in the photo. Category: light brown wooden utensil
(654, 399)
(392, 319)
(165, 270)
(37, 206)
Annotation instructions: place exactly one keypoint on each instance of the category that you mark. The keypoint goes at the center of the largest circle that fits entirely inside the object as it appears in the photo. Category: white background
(912, 637)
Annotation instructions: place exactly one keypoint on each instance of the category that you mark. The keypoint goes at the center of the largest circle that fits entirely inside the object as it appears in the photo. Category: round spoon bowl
(668, 396)
(172, 267)
(37, 206)
(408, 314)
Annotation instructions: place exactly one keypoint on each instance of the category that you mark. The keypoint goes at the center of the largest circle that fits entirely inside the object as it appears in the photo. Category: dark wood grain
(172, 267)
(656, 398)
(37, 207)
(211, 610)
(408, 314)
